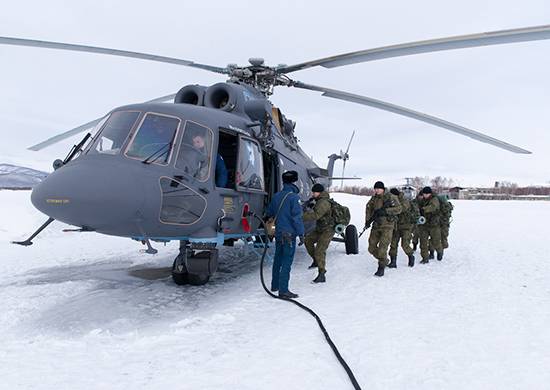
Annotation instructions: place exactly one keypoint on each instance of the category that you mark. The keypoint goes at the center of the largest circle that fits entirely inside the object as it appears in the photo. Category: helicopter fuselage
(150, 171)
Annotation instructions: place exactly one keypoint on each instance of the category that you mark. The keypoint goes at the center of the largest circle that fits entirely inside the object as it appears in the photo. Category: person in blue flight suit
(286, 210)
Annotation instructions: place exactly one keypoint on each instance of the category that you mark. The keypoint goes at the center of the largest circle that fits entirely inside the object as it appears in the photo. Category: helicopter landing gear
(194, 264)
(351, 240)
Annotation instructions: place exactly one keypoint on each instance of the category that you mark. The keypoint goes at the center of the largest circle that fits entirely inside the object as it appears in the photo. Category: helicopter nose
(89, 195)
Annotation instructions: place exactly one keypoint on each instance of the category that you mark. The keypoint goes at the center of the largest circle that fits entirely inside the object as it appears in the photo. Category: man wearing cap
(430, 232)
(382, 210)
(403, 229)
(286, 210)
(318, 240)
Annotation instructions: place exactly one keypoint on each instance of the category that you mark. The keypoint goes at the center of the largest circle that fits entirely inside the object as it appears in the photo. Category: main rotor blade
(67, 134)
(350, 97)
(103, 50)
(457, 42)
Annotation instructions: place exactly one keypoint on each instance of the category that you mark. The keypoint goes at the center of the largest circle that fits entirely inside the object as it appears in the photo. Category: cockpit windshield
(115, 131)
(154, 138)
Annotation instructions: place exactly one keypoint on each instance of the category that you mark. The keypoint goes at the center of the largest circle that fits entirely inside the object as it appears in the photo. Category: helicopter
(149, 171)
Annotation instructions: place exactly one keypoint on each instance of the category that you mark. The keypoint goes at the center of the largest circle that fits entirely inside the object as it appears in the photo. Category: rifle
(377, 213)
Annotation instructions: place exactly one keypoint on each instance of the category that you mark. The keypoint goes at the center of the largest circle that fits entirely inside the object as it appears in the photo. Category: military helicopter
(150, 171)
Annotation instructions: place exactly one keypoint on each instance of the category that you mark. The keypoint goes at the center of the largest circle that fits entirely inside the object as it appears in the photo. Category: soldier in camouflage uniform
(382, 210)
(415, 231)
(445, 212)
(430, 231)
(318, 240)
(445, 222)
(403, 229)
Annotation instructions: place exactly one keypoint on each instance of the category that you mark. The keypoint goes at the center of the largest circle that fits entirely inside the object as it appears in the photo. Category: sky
(500, 90)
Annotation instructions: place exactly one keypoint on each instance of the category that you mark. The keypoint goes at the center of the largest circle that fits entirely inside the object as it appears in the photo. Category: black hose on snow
(304, 307)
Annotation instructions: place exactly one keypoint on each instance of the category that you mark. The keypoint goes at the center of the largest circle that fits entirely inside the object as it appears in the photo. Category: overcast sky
(501, 90)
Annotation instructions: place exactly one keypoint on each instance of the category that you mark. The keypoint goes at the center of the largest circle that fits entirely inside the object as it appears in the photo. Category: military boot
(380, 271)
(425, 261)
(431, 254)
(411, 260)
(288, 295)
(313, 265)
(393, 262)
(440, 255)
(320, 278)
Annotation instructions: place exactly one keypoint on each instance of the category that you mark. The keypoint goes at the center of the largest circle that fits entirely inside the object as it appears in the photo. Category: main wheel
(352, 240)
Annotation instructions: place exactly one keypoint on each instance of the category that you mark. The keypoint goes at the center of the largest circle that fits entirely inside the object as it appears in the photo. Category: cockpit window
(154, 139)
(195, 151)
(115, 131)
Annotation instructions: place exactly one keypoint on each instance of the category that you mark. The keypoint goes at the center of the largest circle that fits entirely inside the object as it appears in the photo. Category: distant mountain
(14, 177)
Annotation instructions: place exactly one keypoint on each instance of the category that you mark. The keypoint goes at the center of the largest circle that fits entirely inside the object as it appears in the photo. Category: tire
(197, 279)
(352, 240)
(180, 279)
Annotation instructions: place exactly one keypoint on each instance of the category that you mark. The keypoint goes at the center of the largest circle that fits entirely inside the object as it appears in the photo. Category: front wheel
(351, 240)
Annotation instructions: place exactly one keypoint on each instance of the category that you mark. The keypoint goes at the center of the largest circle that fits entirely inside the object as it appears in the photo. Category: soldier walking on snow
(318, 240)
(403, 229)
(381, 211)
(430, 232)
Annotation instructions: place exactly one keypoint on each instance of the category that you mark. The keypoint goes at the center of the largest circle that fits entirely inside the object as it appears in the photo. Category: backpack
(445, 207)
(340, 214)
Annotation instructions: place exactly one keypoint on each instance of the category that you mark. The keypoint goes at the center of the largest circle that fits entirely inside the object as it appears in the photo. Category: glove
(300, 240)
(380, 212)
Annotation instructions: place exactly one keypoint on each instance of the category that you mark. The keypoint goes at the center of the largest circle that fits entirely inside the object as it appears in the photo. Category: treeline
(437, 183)
(443, 184)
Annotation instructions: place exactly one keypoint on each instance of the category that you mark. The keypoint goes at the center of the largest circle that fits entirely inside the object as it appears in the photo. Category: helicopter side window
(195, 151)
(115, 131)
(250, 169)
(154, 139)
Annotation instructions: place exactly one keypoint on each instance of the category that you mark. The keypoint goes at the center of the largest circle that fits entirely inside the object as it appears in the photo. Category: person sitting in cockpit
(196, 162)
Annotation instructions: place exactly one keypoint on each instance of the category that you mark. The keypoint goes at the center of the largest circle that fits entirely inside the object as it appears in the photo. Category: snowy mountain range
(19, 178)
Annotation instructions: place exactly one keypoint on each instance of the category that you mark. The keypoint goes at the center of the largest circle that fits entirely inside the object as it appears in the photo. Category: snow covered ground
(84, 311)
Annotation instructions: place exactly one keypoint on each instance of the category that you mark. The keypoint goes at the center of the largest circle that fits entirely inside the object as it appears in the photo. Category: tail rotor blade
(351, 139)
(343, 170)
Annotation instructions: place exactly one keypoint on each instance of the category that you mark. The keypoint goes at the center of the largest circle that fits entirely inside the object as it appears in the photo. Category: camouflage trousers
(415, 235)
(379, 241)
(444, 237)
(430, 239)
(317, 243)
(405, 235)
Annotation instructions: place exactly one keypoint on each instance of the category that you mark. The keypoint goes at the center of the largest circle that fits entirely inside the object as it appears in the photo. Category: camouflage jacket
(409, 214)
(321, 213)
(391, 205)
(429, 208)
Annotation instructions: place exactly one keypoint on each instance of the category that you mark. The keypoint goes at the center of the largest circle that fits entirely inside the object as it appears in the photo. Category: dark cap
(290, 177)
(395, 191)
(317, 188)
(427, 190)
(379, 184)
